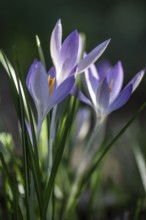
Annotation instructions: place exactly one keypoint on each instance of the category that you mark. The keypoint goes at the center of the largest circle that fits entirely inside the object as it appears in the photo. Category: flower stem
(39, 126)
(93, 136)
(82, 166)
(52, 135)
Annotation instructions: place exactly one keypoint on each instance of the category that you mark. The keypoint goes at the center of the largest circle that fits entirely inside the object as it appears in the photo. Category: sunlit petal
(122, 98)
(102, 95)
(37, 84)
(115, 80)
(55, 44)
(136, 80)
(69, 53)
(92, 56)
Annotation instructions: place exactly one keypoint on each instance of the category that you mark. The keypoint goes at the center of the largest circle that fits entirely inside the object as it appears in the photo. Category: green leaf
(40, 51)
(12, 75)
(82, 181)
(13, 184)
(59, 152)
(110, 145)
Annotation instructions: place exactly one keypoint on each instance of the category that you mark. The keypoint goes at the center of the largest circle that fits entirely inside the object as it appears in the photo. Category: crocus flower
(49, 89)
(104, 90)
(44, 89)
(65, 55)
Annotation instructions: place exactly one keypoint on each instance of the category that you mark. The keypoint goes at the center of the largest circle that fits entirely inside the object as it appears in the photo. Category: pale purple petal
(55, 44)
(102, 95)
(69, 52)
(61, 92)
(75, 91)
(84, 99)
(37, 84)
(93, 76)
(136, 80)
(115, 80)
(122, 98)
(52, 72)
(91, 82)
(92, 56)
(94, 73)
(93, 69)
(103, 67)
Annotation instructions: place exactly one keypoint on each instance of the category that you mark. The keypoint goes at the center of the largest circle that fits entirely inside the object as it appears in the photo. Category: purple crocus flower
(49, 89)
(44, 89)
(65, 55)
(104, 90)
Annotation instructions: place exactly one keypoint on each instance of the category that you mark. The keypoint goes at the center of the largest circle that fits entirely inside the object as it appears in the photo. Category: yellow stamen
(111, 85)
(51, 84)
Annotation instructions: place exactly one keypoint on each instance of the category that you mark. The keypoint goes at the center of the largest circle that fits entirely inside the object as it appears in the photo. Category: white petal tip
(119, 65)
(143, 71)
(59, 22)
(38, 41)
(106, 43)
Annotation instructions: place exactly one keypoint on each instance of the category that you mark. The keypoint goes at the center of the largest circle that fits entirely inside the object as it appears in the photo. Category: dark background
(123, 21)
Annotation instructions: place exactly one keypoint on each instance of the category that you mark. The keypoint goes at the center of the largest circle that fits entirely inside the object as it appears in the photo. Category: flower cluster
(47, 176)
(104, 89)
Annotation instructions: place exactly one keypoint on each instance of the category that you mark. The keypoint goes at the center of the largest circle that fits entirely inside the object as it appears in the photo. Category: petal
(102, 95)
(92, 82)
(92, 56)
(103, 67)
(122, 98)
(52, 72)
(37, 84)
(93, 70)
(69, 52)
(115, 80)
(75, 91)
(136, 80)
(84, 99)
(61, 92)
(55, 43)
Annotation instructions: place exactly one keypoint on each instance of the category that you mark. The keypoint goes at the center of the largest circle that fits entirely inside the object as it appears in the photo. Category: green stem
(24, 148)
(51, 140)
(93, 136)
(82, 179)
(39, 126)
(102, 155)
(59, 153)
(82, 166)
(139, 206)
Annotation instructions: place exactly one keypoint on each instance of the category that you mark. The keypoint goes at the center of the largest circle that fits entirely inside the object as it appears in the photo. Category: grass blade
(58, 157)
(101, 155)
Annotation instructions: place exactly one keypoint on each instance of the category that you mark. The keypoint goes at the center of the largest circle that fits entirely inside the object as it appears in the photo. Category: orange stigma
(51, 84)
(111, 85)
